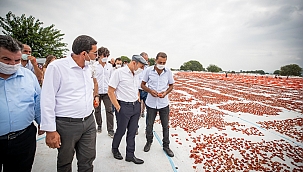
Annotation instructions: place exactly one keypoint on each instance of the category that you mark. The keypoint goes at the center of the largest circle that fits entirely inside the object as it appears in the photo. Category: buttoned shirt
(19, 101)
(125, 83)
(158, 83)
(103, 74)
(67, 91)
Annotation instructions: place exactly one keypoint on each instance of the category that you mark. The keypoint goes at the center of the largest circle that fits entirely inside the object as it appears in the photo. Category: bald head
(144, 55)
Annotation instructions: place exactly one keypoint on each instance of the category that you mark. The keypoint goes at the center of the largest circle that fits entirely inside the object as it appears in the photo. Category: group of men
(70, 87)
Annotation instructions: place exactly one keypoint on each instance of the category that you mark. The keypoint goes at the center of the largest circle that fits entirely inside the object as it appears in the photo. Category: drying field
(238, 122)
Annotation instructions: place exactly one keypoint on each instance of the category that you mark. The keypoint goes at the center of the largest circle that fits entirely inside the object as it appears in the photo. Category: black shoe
(134, 160)
(117, 155)
(147, 146)
(168, 151)
(111, 134)
(99, 130)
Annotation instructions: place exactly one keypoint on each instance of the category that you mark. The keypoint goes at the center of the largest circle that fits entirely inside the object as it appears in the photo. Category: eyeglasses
(95, 53)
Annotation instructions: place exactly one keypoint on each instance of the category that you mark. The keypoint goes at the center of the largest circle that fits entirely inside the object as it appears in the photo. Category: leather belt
(13, 135)
(68, 119)
(128, 103)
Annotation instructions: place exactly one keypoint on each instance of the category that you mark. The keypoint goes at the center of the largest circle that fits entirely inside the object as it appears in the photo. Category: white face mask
(139, 70)
(118, 66)
(104, 59)
(161, 67)
(9, 69)
(24, 57)
(88, 63)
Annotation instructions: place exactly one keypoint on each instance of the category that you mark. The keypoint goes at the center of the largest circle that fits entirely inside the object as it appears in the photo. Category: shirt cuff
(48, 127)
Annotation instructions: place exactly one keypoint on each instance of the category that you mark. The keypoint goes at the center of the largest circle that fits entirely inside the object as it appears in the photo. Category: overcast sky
(234, 35)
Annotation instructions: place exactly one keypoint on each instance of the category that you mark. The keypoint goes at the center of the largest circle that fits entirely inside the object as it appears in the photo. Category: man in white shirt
(67, 106)
(102, 75)
(28, 61)
(160, 82)
(124, 94)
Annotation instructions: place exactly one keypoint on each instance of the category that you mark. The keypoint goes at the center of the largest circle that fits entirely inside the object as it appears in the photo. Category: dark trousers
(164, 116)
(109, 113)
(80, 137)
(127, 118)
(18, 154)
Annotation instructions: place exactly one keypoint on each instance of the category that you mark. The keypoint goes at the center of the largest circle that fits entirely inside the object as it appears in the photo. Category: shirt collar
(128, 69)
(72, 62)
(19, 73)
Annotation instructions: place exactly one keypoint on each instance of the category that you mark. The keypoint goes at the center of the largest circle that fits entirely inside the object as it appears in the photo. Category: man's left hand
(32, 59)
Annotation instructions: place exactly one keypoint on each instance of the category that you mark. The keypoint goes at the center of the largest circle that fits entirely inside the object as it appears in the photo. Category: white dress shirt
(125, 83)
(103, 75)
(67, 91)
(158, 83)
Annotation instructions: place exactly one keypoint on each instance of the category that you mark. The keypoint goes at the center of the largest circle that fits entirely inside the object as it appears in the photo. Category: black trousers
(127, 118)
(18, 154)
(164, 117)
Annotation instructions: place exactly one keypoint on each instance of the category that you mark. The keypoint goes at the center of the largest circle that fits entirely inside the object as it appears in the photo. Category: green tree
(42, 40)
(152, 61)
(291, 69)
(192, 65)
(277, 72)
(255, 71)
(213, 68)
(125, 58)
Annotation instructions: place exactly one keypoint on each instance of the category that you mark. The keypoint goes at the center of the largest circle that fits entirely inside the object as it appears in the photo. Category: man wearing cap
(160, 83)
(124, 94)
(28, 61)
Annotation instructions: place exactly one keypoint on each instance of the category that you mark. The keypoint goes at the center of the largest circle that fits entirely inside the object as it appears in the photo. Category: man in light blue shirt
(20, 106)
(160, 82)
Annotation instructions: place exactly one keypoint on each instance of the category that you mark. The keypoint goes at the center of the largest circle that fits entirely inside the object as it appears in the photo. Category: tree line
(48, 40)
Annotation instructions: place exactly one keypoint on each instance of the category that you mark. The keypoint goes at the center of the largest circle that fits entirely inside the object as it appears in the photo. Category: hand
(33, 60)
(96, 102)
(118, 108)
(162, 94)
(40, 132)
(154, 93)
(53, 139)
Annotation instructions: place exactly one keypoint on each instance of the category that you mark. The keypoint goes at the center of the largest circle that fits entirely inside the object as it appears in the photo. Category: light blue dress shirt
(19, 101)
(158, 83)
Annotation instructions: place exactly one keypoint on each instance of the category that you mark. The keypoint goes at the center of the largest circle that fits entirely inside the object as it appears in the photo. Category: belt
(68, 119)
(13, 135)
(128, 103)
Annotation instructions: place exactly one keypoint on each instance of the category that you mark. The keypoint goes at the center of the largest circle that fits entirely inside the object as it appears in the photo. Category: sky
(232, 34)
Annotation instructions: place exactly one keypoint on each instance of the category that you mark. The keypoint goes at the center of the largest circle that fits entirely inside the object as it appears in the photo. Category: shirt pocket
(26, 93)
